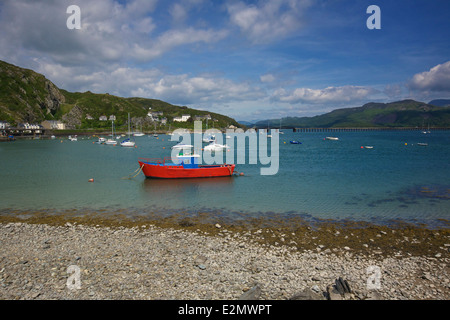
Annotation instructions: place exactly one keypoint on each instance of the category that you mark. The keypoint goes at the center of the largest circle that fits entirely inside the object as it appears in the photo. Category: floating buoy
(362, 147)
(91, 180)
(164, 147)
(406, 144)
(241, 174)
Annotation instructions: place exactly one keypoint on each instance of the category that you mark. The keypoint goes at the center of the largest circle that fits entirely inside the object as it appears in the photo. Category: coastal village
(157, 118)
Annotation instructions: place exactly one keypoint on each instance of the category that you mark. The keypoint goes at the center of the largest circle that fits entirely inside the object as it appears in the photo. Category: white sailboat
(111, 141)
(213, 146)
(127, 142)
(210, 138)
(138, 133)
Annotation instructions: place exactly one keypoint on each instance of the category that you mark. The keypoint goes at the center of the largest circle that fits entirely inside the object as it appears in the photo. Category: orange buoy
(91, 180)
(241, 174)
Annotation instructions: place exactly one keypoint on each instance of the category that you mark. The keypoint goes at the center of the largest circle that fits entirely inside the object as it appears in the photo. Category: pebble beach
(76, 260)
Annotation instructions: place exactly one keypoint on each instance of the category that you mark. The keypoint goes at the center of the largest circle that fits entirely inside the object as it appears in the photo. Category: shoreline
(186, 258)
(367, 238)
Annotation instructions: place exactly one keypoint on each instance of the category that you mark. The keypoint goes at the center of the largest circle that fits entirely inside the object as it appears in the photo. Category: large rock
(307, 294)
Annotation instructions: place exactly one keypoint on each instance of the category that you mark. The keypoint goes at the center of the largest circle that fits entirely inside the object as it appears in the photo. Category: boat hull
(173, 171)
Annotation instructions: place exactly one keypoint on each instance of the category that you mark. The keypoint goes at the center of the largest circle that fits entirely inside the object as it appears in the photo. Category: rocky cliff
(26, 96)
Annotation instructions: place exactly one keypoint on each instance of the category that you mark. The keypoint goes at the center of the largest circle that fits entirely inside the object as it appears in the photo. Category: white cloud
(268, 20)
(110, 31)
(437, 79)
(182, 89)
(393, 91)
(174, 38)
(321, 96)
(267, 78)
(178, 12)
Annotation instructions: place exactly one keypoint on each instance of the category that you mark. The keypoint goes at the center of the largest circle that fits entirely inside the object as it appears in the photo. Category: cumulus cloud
(320, 96)
(38, 28)
(182, 89)
(437, 79)
(269, 19)
(175, 38)
(267, 78)
(111, 31)
(393, 91)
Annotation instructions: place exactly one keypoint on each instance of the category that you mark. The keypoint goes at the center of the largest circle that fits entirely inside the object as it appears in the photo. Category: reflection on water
(188, 193)
(183, 187)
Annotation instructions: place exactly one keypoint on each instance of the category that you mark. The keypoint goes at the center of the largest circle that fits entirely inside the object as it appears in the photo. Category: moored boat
(100, 140)
(185, 166)
(215, 147)
(128, 142)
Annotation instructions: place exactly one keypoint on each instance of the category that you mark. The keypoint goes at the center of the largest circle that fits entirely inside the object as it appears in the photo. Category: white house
(103, 118)
(183, 118)
(154, 115)
(53, 124)
(4, 125)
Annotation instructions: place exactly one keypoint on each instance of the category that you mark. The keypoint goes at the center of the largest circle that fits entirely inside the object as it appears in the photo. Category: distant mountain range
(27, 96)
(406, 113)
(440, 102)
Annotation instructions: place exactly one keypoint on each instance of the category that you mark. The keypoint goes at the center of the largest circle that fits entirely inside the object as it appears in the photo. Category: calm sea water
(397, 179)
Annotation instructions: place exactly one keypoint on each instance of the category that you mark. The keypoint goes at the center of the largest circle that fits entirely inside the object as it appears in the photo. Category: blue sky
(246, 59)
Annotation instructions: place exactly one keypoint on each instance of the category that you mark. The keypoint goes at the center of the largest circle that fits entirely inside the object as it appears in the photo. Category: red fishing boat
(185, 166)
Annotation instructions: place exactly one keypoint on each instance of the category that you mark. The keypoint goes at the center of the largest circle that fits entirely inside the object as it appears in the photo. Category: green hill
(27, 96)
(406, 113)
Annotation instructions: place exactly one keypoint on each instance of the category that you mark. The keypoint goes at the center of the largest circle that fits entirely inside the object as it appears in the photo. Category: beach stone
(333, 293)
(200, 260)
(374, 295)
(307, 294)
(253, 294)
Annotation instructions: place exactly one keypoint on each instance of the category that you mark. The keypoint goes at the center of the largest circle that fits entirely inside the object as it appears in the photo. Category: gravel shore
(76, 261)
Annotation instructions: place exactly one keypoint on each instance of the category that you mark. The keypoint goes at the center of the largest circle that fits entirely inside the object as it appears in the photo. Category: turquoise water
(316, 179)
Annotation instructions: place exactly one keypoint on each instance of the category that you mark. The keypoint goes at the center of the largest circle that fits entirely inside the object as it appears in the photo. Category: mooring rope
(138, 171)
